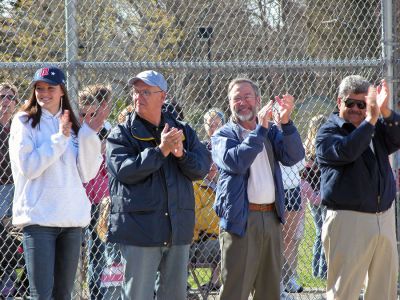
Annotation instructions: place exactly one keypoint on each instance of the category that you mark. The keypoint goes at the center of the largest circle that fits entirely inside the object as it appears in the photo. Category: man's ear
(164, 96)
(338, 102)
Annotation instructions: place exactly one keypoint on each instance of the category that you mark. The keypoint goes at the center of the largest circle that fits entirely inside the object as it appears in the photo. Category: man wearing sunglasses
(358, 188)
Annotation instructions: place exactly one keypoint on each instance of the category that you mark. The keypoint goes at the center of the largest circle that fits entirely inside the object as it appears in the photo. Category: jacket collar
(342, 123)
(238, 129)
(139, 130)
(47, 114)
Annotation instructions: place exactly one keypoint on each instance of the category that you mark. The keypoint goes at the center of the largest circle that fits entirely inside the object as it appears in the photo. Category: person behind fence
(91, 99)
(9, 255)
(152, 160)
(310, 190)
(293, 229)
(250, 196)
(205, 246)
(51, 155)
(113, 274)
(358, 189)
(123, 115)
(9, 101)
(213, 120)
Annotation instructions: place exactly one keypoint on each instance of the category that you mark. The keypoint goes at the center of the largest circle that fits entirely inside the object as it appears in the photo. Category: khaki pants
(252, 263)
(360, 250)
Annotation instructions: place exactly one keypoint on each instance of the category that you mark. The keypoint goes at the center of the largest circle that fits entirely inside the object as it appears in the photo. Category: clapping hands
(65, 124)
(96, 120)
(171, 141)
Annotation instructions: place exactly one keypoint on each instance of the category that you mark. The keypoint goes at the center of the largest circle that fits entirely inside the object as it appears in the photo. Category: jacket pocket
(186, 195)
(134, 203)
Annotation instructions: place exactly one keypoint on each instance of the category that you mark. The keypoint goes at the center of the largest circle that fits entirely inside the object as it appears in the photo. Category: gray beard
(244, 118)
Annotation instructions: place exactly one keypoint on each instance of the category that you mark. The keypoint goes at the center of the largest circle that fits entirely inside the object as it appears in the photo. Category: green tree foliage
(343, 29)
(32, 31)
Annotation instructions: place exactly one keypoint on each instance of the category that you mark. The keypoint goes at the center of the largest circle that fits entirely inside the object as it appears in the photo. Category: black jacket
(353, 177)
(152, 200)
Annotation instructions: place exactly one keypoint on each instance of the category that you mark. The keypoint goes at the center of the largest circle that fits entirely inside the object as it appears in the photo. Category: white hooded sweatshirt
(48, 170)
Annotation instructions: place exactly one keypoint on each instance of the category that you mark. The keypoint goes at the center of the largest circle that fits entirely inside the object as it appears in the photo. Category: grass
(304, 268)
(203, 274)
(305, 256)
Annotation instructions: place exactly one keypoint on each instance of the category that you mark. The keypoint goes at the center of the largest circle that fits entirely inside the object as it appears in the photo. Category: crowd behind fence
(301, 47)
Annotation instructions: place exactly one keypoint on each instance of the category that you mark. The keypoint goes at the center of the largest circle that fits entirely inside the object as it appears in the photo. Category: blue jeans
(141, 266)
(51, 257)
(96, 249)
(319, 263)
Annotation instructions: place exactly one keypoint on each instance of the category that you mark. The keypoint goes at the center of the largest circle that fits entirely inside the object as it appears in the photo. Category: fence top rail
(201, 65)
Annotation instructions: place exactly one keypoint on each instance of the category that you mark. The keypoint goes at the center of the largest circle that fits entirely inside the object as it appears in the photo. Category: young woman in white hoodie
(51, 156)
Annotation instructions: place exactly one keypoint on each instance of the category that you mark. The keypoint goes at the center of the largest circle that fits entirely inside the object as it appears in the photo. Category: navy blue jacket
(234, 157)
(352, 176)
(152, 200)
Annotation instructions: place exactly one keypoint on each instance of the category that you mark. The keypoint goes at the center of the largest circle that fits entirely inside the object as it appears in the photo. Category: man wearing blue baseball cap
(150, 77)
(152, 160)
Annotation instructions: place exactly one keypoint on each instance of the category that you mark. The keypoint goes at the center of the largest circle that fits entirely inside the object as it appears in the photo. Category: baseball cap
(150, 77)
(51, 75)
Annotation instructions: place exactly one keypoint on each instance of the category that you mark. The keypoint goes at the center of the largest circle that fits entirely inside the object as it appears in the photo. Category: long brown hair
(34, 111)
(313, 126)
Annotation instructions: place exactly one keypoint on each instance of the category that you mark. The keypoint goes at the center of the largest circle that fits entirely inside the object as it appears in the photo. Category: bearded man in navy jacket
(358, 188)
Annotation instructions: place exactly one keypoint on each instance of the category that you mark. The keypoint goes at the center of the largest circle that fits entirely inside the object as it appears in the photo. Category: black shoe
(293, 287)
(211, 287)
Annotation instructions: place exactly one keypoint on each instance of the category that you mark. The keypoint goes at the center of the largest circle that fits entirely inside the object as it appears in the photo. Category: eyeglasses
(349, 103)
(144, 93)
(8, 97)
(91, 114)
(245, 98)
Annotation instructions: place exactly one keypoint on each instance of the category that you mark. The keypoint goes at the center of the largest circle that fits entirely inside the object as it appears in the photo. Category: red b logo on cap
(44, 72)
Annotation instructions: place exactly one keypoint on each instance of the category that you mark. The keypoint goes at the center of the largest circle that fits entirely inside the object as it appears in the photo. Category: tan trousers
(252, 264)
(360, 251)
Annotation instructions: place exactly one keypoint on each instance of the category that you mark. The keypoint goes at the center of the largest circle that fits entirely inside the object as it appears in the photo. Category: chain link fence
(300, 47)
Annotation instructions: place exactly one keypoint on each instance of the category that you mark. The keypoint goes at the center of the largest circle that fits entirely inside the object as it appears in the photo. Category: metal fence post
(387, 42)
(71, 51)
(71, 44)
(388, 73)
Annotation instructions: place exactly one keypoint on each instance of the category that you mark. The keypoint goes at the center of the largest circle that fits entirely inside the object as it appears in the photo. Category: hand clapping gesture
(382, 99)
(171, 141)
(286, 104)
(372, 112)
(265, 114)
(97, 120)
(65, 124)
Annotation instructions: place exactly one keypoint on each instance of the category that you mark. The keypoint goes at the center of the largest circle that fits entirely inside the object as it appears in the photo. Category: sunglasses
(9, 97)
(91, 114)
(349, 103)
